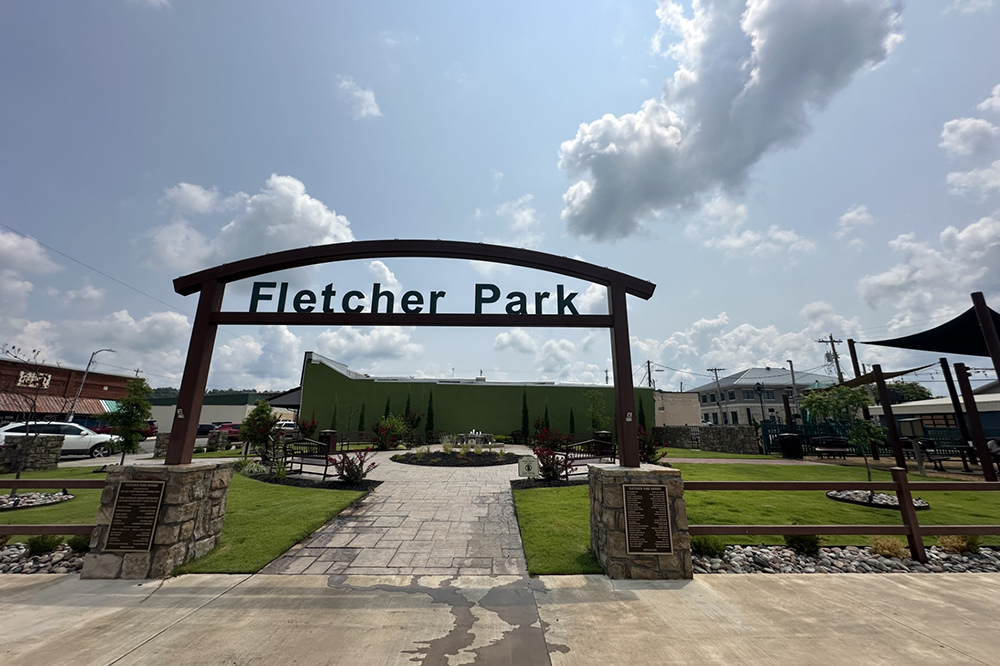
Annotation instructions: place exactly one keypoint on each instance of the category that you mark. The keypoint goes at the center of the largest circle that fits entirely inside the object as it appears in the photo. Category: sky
(782, 170)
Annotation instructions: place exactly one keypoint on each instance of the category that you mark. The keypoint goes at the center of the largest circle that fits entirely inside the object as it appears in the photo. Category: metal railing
(19, 484)
(900, 484)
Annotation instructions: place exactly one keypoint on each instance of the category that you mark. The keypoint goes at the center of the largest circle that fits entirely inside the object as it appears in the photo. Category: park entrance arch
(211, 283)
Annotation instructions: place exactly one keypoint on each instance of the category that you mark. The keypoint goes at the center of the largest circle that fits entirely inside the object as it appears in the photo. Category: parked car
(77, 440)
(232, 430)
(149, 431)
(204, 429)
(287, 427)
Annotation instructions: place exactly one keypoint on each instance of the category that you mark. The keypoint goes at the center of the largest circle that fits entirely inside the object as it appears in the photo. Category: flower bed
(28, 500)
(456, 459)
(874, 500)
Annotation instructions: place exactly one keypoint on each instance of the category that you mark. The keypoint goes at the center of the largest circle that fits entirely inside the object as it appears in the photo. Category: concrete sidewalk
(501, 620)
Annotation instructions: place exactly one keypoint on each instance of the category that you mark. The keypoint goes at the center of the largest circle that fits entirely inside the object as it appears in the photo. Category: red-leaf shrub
(353, 467)
(552, 465)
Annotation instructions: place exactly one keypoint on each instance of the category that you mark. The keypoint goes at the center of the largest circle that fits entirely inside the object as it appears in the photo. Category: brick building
(51, 388)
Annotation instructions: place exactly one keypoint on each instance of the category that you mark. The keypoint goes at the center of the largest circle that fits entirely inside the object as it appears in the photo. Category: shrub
(960, 543)
(199, 449)
(280, 471)
(464, 448)
(888, 547)
(401, 447)
(803, 544)
(353, 467)
(552, 465)
(389, 431)
(548, 438)
(251, 468)
(478, 450)
(446, 447)
(308, 428)
(707, 546)
(4, 539)
(79, 543)
(649, 452)
(39, 544)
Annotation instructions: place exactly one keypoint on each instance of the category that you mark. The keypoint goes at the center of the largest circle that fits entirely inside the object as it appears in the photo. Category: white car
(286, 426)
(77, 440)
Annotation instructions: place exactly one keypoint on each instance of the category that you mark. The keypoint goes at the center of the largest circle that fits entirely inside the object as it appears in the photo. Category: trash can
(790, 445)
(328, 437)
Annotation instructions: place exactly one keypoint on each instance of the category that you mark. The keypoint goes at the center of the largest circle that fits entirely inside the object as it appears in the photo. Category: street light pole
(71, 412)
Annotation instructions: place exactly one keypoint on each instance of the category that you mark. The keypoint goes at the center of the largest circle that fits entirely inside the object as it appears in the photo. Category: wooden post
(909, 514)
(985, 317)
(890, 419)
(199, 357)
(865, 412)
(963, 428)
(621, 363)
(790, 425)
(975, 423)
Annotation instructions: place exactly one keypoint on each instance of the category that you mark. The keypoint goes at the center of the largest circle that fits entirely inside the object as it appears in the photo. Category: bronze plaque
(647, 519)
(134, 517)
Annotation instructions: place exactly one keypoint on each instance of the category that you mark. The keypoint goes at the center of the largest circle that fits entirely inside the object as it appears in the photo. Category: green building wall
(458, 407)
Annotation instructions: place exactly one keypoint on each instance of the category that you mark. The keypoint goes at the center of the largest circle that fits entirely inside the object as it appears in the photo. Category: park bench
(831, 447)
(928, 447)
(351, 437)
(590, 451)
(298, 453)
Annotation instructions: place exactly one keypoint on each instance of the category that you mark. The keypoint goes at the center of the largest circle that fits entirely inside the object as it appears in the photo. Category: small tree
(525, 421)
(335, 419)
(429, 426)
(308, 428)
(129, 418)
(597, 413)
(910, 390)
(572, 422)
(388, 410)
(389, 432)
(642, 416)
(545, 419)
(256, 431)
(361, 418)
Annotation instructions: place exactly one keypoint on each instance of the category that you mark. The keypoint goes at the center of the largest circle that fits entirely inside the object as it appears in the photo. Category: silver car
(77, 440)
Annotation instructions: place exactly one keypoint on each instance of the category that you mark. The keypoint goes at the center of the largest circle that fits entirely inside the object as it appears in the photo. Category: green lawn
(555, 522)
(263, 520)
(231, 453)
(670, 454)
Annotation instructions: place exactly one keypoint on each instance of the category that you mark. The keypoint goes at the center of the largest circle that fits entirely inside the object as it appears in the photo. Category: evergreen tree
(545, 419)
(642, 416)
(430, 413)
(525, 421)
(336, 412)
(406, 412)
(361, 418)
(388, 411)
(572, 422)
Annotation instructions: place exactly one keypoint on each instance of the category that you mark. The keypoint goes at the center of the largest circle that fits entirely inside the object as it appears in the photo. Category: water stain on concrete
(513, 603)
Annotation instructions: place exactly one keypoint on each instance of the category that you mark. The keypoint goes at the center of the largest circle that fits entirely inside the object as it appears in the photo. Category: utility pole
(606, 381)
(836, 358)
(718, 387)
(649, 372)
(795, 388)
(71, 412)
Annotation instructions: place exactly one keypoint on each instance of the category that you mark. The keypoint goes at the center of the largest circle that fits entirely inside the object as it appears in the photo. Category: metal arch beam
(373, 249)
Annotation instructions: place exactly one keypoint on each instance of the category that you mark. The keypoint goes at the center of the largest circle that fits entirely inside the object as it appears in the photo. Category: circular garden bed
(366, 485)
(874, 500)
(28, 500)
(456, 459)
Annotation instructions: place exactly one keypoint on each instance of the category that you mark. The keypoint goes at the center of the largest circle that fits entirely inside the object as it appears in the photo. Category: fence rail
(911, 527)
(18, 484)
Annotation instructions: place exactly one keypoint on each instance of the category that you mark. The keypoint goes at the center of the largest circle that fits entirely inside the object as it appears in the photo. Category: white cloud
(991, 103)
(969, 6)
(14, 293)
(271, 360)
(931, 282)
(976, 182)
(87, 294)
(497, 178)
(386, 278)
(362, 100)
(857, 217)
(380, 342)
(523, 228)
(963, 136)
(187, 198)
(750, 75)
(516, 339)
(156, 4)
(720, 226)
(23, 254)
(594, 300)
(281, 216)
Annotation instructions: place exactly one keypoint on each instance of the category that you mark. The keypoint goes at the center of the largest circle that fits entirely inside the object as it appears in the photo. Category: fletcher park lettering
(410, 302)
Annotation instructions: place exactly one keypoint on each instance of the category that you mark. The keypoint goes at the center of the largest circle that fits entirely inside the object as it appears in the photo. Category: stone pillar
(217, 440)
(160, 448)
(40, 454)
(188, 523)
(607, 523)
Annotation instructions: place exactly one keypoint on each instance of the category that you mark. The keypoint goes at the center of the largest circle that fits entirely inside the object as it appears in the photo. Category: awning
(961, 335)
(49, 404)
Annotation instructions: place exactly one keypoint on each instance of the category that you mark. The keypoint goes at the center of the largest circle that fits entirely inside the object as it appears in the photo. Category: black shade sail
(961, 335)
(870, 377)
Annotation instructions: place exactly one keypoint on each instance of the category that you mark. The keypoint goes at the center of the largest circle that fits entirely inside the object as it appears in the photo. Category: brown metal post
(985, 317)
(963, 428)
(890, 418)
(913, 535)
(790, 423)
(195, 378)
(865, 412)
(621, 363)
(975, 423)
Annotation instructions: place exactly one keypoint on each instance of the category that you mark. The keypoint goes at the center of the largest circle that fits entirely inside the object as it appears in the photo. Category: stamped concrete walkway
(446, 521)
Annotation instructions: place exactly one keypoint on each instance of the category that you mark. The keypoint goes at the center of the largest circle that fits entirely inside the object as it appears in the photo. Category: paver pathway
(422, 521)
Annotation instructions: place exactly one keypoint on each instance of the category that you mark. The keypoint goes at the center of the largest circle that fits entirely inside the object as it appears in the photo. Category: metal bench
(831, 447)
(298, 453)
(579, 454)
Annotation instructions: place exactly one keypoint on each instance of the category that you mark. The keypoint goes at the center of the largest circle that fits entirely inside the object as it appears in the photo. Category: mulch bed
(367, 485)
(456, 459)
(524, 484)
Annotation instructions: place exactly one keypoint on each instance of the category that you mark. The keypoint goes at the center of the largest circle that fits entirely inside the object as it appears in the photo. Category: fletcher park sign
(410, 302)
(324, 307)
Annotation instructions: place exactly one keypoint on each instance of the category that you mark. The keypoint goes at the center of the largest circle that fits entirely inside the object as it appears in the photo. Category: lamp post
(71, 412)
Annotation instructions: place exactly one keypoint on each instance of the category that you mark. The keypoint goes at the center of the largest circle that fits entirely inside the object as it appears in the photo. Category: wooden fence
(900, 484)
(34, 484)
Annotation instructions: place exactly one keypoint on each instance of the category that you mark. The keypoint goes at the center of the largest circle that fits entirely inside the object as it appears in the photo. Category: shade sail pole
(963, 427)
(985, 317)
(975, 423)
(864, 409)
(890, 418)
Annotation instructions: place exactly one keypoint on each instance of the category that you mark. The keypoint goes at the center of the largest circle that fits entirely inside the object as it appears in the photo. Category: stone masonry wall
(42, 453)
(728, 439)
(676, 436)
(187, 527)
(607, 523)
(160, 448)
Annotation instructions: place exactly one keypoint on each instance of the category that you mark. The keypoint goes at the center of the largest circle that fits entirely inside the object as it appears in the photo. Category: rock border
(15, 559)
(882, 500)
(837, 560)
(32, 500)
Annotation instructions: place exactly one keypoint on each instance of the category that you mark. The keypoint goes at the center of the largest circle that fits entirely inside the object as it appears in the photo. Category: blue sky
(781, 170)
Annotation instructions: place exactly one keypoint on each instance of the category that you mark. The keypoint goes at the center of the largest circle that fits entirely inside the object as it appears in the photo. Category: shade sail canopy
(961, 335)
(870, 377)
